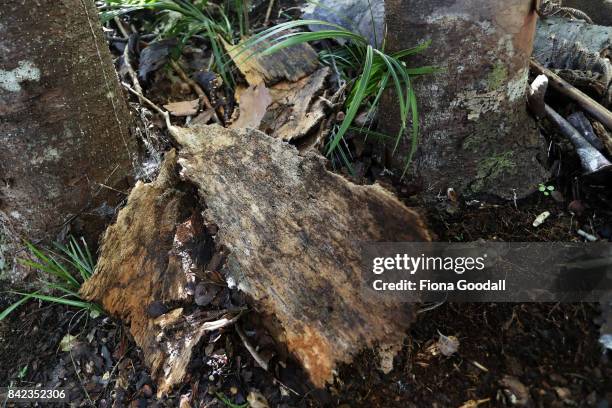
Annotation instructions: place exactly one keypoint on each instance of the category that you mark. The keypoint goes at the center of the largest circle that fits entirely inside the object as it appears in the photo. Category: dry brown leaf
(184, 108)
(254, 102)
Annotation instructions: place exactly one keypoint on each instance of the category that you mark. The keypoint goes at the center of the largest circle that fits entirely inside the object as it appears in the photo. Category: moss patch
(497, 77)
(492, 168)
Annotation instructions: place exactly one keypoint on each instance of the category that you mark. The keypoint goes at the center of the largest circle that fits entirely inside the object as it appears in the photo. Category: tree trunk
(476, 135)
(64, 127)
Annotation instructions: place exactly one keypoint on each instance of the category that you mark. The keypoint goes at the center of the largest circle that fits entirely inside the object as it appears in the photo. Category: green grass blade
(14, 306)
(411, 51)
(415, 131)
(60, 300)
(357, 100)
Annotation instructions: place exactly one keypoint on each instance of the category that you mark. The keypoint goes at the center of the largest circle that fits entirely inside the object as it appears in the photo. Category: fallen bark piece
(288, 110)
(291, 63)
(294, 230)
(577, 46)
(145, 264)
(296, 109)
(184, 108)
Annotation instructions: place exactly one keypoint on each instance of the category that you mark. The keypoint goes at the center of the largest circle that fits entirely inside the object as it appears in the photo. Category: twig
(591, 106)
(262, 363)
(431, 307)
(268, 13)
(197, 89)
(120, 26)
(171, 128)
(130, 70)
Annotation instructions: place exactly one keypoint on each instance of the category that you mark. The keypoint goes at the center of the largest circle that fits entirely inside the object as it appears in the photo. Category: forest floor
(524, 355)
(531, 355)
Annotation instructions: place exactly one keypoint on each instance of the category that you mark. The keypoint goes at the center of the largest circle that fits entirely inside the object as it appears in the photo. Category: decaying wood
(555, 34)
(579, 50)
(293, 230)
(145, 263)
(591, 106)
(296, 109)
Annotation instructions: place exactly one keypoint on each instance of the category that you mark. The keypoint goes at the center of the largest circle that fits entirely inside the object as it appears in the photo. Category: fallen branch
(247, 344)
(586, 102)
(592, 160)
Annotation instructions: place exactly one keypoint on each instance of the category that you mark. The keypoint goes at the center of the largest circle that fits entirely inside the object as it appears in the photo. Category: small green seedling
(22, 373)
(546, 190)
(229, 403)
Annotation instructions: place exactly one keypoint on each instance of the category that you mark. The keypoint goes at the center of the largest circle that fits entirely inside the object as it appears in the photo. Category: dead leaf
(203, 118)
(184, 108)
(475, 403)
(254, 102)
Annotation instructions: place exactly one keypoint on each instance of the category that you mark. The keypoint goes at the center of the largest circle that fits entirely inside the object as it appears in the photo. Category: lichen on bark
(475, 107)
(64, 126)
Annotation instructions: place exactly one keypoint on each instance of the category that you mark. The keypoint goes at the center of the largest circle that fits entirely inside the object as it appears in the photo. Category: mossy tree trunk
(476, 135)
(64, 126)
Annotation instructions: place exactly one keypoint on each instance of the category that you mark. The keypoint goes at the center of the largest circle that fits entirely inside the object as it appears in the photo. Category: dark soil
(545, 354)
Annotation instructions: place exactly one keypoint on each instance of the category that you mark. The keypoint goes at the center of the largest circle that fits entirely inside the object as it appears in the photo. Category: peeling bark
(63, 122)
(147, 261)
(293, 230)
(476, 135)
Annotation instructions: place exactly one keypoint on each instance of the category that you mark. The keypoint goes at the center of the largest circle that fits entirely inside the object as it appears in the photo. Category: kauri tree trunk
(64, 127)
(476, 135)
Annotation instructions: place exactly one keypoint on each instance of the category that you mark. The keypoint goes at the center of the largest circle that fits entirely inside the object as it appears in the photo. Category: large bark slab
(294, 232)
(64, 126)
(476, 135)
